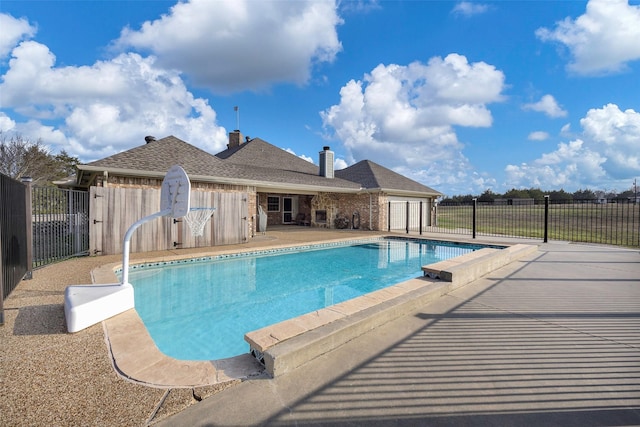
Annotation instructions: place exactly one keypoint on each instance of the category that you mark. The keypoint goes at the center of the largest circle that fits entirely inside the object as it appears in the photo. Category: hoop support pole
(127, 240)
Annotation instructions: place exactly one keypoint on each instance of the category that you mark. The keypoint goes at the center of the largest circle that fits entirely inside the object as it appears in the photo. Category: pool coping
(281, 347)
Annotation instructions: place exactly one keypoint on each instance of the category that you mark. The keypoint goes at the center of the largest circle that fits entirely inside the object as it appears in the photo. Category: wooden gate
(113, 210)
(228, 224)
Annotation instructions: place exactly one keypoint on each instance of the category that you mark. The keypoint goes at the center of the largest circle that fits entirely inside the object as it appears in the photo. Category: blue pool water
(201, 309)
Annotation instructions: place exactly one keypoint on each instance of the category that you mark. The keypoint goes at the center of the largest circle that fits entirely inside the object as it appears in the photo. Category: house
(249, 174)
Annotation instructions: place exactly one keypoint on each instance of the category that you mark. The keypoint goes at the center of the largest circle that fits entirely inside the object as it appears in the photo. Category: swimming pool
(200, 309)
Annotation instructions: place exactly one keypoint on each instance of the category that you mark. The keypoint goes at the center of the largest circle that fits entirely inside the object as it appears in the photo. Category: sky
(461, 96)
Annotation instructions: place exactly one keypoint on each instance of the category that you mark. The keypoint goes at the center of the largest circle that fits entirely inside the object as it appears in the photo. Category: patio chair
(302, 219)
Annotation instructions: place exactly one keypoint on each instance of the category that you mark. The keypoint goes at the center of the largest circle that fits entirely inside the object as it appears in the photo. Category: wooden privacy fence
(115, 209)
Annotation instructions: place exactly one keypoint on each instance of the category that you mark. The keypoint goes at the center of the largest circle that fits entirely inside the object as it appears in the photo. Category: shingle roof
(371, 175)
(257, 152)
(255, 162)
(160, 155)
(294, 178)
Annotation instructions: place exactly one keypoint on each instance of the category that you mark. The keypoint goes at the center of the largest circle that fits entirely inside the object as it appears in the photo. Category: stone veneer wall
(252, 209)
(324, 202)
(371, 207)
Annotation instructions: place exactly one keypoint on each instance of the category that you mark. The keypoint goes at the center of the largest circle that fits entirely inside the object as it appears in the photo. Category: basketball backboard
(175, 192)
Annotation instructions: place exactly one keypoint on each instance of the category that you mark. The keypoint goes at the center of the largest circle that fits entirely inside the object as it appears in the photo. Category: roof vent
(149, 138)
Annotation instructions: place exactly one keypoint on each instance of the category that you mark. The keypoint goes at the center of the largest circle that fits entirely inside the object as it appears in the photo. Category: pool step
(287, 345)
(469, 267)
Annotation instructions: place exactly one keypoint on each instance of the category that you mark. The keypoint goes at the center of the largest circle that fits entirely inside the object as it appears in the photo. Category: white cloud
(606, 155)
(538, 136)
(603, 40)
(468, 8)
(50, 136)
(6, 123)
(339, 163)
(104, 108)
(615, 134)
(547, 105)
(13, 31)
(403, 116)
(237, 45)
(94, 110)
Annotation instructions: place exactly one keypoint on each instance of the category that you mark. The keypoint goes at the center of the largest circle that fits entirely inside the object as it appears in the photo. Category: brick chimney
(235, 139)
(326, 162)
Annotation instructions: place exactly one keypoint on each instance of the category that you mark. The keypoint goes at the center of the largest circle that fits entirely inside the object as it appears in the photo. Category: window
(273, 204)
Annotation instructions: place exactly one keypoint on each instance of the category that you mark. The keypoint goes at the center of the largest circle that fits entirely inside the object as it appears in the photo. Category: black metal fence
(60, 224)
(14, 239)
(409, 216)
(614, 222)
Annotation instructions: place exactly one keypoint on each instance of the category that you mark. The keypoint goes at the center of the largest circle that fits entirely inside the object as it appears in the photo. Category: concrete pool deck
(51, 377)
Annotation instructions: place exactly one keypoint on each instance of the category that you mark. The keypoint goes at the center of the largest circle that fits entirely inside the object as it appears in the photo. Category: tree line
(20, 157)
(538, 194)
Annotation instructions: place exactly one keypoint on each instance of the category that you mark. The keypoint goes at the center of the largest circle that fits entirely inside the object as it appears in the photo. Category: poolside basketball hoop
(87, 305)
(197, 218)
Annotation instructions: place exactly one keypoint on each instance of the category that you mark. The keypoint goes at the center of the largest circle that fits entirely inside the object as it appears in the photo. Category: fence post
(546, 219)
(420, 218)
(435, 213)
(1, 286)
(28, 181)
(407, 217)
(475, 203)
